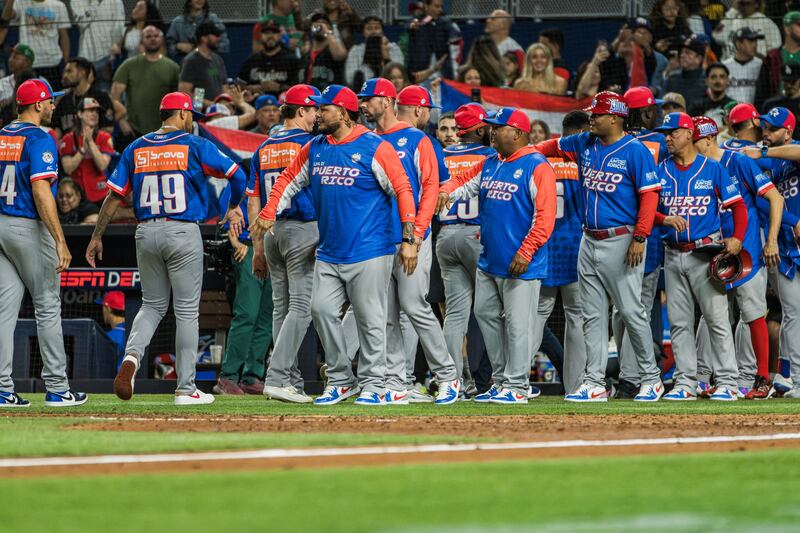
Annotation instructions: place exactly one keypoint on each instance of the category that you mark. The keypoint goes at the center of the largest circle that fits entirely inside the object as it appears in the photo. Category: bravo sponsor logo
(158, 158)
(600, 180)
(499, 190)
(336, 175)
(278, 155)
(686, 205)
(11, 147)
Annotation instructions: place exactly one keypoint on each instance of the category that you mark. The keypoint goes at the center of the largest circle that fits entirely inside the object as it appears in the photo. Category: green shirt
(789, 57)
(146, 83)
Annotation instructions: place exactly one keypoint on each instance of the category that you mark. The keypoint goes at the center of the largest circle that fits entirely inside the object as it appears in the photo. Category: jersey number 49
(163, 194)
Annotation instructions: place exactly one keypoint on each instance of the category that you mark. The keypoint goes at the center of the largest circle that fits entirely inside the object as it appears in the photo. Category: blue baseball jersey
(224, 203)
(563, 246)
(736, 144)
(656, 143)
(27, 154)
(752, 183)
(271, 158)
(786, 177)
(167, 175)
(612, 177)
(457, 159)
(695, 194)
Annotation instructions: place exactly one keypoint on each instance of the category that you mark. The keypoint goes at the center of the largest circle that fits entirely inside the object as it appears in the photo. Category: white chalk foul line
(287, 453)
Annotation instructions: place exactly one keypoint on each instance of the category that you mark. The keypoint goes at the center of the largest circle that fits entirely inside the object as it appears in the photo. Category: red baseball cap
(338, 95)
(676, 121)
(378, 87)
(742, 112)
(301, 95)
(113, 299)
(416, 95)
(469, 117)
(223, 96)
(35, 90)
(608, 103)
(639, 97)
(704, 127)
(509, 116)
(179, 101)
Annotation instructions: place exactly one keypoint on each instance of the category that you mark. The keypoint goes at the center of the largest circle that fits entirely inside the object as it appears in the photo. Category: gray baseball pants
(408, 293)
(574, 345)
(505, 312)
(170, 257)
(687, 281)
(789, 294)
(291, 253)
(629, 366)
(604, 278)
(366, 286)
(28, 260)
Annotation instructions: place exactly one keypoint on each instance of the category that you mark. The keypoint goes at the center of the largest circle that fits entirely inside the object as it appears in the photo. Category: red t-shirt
(87, 175)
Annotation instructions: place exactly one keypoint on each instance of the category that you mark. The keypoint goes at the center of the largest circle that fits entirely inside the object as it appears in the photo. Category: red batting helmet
(730, 268)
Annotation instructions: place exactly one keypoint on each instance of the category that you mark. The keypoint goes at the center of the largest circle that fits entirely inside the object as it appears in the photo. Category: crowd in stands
(701, 56)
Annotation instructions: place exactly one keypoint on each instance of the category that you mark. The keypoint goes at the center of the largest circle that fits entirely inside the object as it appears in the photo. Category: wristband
(409, 240)
(764, 150)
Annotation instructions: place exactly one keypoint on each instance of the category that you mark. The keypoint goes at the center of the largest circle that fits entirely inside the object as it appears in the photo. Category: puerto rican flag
(548, 108)
(236, 144)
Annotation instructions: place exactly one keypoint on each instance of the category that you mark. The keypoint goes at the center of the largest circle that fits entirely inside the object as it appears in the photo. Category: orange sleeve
(459, 179)
(545, 218)
(550, 148)
(389, 172)
(287, 183)
(429, 183)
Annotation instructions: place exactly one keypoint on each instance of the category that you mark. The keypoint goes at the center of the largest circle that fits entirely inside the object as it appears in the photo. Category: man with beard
(713, 103)
(203, 68)
(273, 69)
(790, 98)
(29, 160)
(78, 80)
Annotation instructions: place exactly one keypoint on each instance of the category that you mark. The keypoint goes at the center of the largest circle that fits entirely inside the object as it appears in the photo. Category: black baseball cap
(207, 28)
(746, 33)
(790, 71)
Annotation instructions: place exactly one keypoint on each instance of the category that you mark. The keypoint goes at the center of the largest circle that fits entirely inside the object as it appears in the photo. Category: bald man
(498, 27)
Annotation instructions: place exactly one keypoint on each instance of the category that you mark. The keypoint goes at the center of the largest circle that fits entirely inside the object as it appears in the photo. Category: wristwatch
(640, 239)
(409, 240)
(764, 150)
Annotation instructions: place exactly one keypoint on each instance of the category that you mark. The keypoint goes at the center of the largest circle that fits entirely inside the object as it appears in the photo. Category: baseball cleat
(371, 398)
(65, 399)
(227, 386)
(12, 400)
(588, 393)
(486, 396)
(415, 396)
(762, 390)
(333, 395)
(448, 393)
(793, 394)
(626, 390)
(726, 394)
(741, 392)
(123, 383)
(396, 397)
(286, 394)
(534, 392)
(704, 390)
(781, 385)
(198, 397)
(509, 397)
(679, 395)
(650, 393)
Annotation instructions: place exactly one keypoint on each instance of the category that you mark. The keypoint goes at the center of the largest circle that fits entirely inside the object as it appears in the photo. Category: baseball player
(408, 293)
(746, 124)
(458, 245)
(166, 172)
(517, 194)
(562, 271)
(33, 251)
(353, 175)
(289, 249)
(620, 190)
(750, 290)
(693, 187)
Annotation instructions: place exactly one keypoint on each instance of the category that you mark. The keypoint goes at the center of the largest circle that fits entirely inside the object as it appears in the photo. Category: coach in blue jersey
(352, 174)
(693, 190)
(289, 249)
(166, 172)
(620, 190)
(33, 251)
(517, 192)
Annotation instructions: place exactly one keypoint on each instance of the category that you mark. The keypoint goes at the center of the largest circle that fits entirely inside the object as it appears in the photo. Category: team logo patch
(517, 173)
(703, 185)
(651, 176)
(617, 163)
(47, 157)
(157, 158)
(619, 107)
(731, 189)
(402, 141)
(356, 157)
(774, 112)
(328, 88)
(707, 129)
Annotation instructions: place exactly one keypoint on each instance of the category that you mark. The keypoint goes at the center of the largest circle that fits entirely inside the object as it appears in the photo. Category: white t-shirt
(39, 23)
(508, 45)
(102, 23)
(229, 123)
(743, 79)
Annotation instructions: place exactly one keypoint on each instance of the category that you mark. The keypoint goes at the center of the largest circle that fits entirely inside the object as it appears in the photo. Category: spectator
(469, 75)
(769, 81)
(144, 80)
(182, 30)
(268, 113)
(324, 62)
(655, 61)
(669, 24)
(553, 38)
(538, 75)
(446, 130)
(713, 103)
(72, 208)
(113, 303)
(744, 66)
(689, 80)
(345, 22)
(86, 151)
(274, 68)
(540, 131)
(286, 15)
(144, 13)
(790, 98)
(78, 80)
(511, 68)
(222, 113)
(43, 25)
(397, 74)
(8, 112)
(101, 24)
(203, 68)
(485, 58)
(747, 13)
(672, 103)
(727, 133)
(434, 44)
(588, 76)
(366, 60)
(498, 27)
(696, 21)
(21, 59)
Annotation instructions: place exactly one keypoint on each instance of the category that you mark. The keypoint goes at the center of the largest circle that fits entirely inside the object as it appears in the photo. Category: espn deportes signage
(106, 278)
